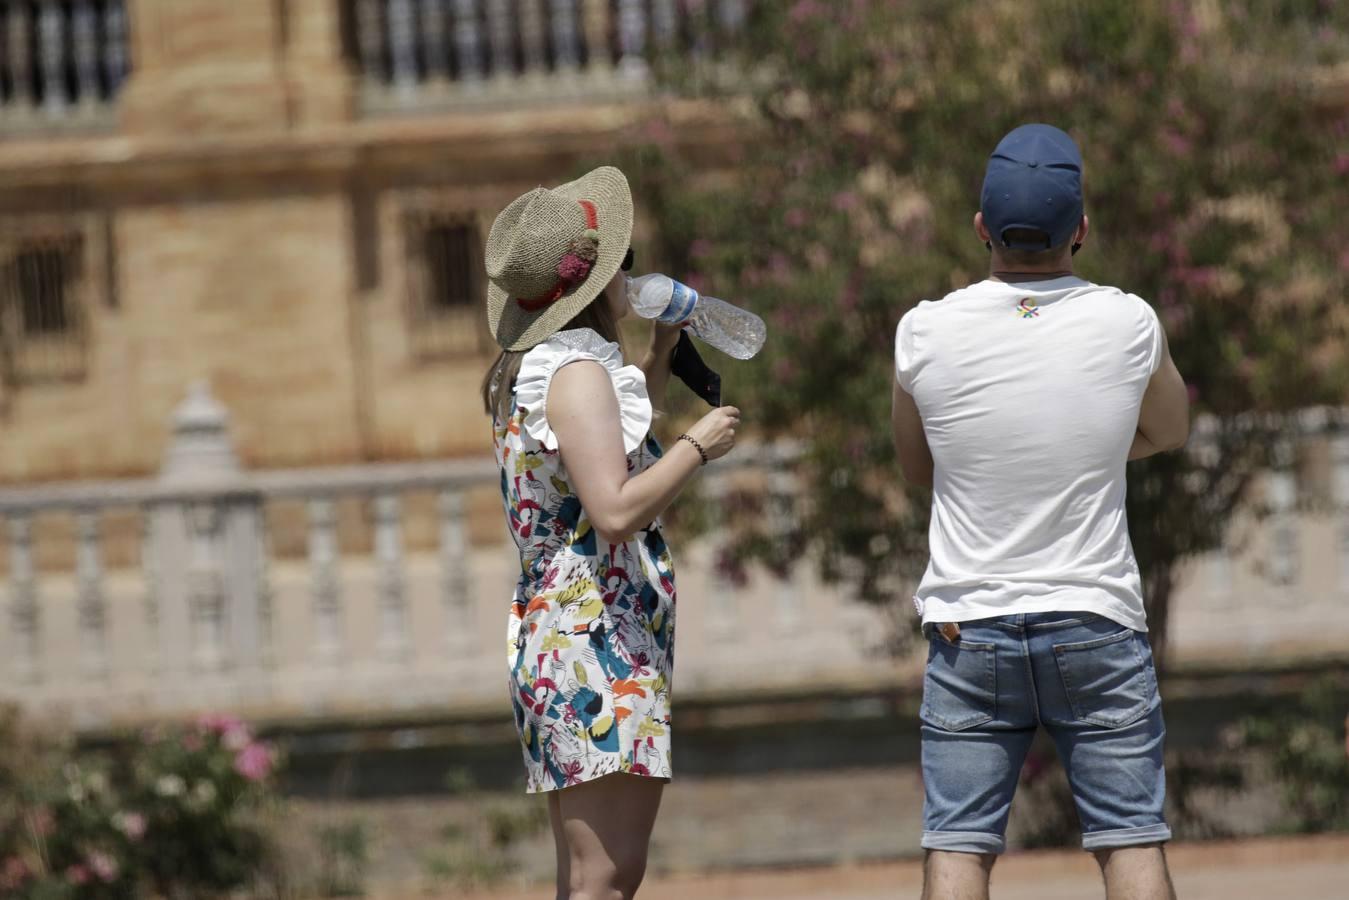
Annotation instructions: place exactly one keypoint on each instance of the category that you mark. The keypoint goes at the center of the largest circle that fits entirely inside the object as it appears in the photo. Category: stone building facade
(287, 200)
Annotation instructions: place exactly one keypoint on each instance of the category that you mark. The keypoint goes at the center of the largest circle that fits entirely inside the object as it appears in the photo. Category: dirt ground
(850, 834)
(1315, 868)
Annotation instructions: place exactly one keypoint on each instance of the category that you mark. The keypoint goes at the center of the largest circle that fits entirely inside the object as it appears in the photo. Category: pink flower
(795, 218)
(14, 874)
(1177, 143)
(222, 725)
(233, 732)
(77, 874)
(130, 824)
(236, 739)
(804, 9)
(104, 866)
(573, 269)
(254, 762)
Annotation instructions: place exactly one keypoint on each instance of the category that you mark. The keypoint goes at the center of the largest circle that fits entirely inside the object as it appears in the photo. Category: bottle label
(682, 302)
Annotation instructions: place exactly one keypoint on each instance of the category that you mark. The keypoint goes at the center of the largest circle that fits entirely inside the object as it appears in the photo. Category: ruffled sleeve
(565, 347)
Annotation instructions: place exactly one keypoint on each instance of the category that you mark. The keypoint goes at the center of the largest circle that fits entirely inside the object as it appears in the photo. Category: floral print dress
(590, 640)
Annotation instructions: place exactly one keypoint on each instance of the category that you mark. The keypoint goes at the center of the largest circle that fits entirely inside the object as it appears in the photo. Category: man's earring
(1076, 247)
(988, 245)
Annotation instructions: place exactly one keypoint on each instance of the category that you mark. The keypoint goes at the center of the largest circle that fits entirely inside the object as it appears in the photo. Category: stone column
(207, 554)
(320, 80)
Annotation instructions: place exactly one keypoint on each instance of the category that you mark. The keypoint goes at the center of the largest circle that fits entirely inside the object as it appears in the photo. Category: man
(1018, 400)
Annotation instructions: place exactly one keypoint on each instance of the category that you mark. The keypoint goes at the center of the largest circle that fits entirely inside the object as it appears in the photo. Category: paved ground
(1256, 869)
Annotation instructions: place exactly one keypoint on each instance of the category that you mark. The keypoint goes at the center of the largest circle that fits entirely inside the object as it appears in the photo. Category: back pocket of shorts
(1107, 680)
(960, 685)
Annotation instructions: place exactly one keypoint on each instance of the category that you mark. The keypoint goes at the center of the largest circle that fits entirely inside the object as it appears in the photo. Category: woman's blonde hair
(498, 385)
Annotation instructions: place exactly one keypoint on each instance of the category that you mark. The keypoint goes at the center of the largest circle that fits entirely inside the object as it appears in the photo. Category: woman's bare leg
(606, 825)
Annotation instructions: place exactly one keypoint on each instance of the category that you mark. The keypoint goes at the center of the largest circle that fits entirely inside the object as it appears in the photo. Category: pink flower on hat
(573, 269)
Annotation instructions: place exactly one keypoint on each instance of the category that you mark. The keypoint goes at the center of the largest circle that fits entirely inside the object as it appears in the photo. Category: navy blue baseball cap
(1033, 181)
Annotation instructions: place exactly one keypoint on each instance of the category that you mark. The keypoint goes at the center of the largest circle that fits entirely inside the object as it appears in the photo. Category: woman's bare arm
(583, 413)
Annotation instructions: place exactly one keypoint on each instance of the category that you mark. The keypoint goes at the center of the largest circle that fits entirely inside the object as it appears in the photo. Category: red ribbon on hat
(575, 264)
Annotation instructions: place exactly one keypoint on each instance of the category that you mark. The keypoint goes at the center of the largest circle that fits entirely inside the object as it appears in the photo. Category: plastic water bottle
(732, 330)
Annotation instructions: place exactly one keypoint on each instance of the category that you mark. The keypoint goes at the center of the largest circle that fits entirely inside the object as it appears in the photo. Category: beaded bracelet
(696, 446)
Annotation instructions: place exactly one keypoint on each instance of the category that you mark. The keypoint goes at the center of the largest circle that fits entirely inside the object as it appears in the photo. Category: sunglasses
(627, 261)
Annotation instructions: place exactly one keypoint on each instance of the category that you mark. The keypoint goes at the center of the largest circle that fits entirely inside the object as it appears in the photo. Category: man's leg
(978, 720)
(1136, 873)
(1099, 701)
(949, 875)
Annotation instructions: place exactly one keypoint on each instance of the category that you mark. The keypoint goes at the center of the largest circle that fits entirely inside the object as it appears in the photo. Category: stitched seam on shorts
(1095, 642)
(1057, 623)
(962, 643)
(1030, 675)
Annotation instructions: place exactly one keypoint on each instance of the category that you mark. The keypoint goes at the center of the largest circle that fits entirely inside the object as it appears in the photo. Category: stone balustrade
(213, 613)
(61, 63)
(420, 54)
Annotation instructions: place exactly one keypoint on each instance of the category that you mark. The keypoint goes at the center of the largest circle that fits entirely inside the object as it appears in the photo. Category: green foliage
(1309, 754)
(344, 851)
(483, 852)
(1213, 187)
(175, 815)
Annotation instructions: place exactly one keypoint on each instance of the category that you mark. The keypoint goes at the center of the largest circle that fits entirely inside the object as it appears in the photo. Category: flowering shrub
(1214, 139)
(1307, 745)
(174, 816)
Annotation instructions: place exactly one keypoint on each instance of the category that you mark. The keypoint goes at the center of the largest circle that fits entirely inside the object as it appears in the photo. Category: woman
(591, 635)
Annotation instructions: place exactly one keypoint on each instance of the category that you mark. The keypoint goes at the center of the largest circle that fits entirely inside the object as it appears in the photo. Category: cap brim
(518, 329)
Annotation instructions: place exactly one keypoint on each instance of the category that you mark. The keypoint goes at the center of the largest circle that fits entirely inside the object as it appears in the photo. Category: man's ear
(1082, 228)
(980, 228)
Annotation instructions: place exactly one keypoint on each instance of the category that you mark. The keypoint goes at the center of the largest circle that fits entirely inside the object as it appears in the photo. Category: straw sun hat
(552, 251)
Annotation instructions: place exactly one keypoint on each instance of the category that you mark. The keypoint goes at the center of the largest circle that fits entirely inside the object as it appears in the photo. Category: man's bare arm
(915, 458)
(1164, 418)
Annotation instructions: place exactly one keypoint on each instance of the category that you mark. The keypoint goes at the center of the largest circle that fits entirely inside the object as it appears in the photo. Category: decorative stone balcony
(433, 54)
(62, 64)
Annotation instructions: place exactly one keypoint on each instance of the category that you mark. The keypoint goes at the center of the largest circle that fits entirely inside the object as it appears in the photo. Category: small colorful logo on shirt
(1028, 309)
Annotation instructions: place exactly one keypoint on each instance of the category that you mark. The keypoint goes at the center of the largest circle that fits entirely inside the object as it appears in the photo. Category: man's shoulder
(1125, 299)
(926, 307)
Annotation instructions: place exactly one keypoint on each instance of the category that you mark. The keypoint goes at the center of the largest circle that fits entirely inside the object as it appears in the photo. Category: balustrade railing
(214, 611)
(429, 53)
(62, 62)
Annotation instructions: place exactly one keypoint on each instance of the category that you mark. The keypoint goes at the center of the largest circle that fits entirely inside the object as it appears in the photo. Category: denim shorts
(1089, 681)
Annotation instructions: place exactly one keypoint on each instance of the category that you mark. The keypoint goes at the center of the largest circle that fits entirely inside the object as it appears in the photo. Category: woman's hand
(716, 431)
(665, 337)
